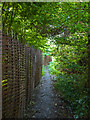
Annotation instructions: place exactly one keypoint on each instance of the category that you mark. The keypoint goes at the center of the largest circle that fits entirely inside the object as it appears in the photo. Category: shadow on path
(45, 102)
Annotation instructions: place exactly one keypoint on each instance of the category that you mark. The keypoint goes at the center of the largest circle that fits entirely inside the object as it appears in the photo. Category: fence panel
(21, 72)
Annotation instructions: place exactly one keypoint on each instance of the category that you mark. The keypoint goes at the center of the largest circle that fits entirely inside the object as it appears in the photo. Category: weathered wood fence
(46, 59)
(21, 72)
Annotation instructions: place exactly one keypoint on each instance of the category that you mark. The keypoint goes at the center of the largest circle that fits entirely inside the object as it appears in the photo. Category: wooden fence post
(0, 75)
(0, 62)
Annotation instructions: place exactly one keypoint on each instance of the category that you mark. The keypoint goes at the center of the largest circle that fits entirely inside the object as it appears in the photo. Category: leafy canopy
(36, 21)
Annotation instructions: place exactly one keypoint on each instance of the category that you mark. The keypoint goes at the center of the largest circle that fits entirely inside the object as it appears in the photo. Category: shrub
(73, 90)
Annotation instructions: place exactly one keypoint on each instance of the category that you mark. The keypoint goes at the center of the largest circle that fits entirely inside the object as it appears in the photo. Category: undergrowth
(73, 91)
(72, 88)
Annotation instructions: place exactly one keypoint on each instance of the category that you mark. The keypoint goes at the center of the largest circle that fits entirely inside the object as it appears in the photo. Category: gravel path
(45, 102)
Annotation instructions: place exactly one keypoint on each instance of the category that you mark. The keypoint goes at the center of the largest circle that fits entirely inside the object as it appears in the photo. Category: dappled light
(45, 60)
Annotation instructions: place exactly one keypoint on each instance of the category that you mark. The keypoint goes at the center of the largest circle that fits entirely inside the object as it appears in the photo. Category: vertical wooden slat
(0, 61)
(10, 77)
(5, 74)
(0, 74)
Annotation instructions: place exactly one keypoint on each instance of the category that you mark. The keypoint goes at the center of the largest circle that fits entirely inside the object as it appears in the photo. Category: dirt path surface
(45, 102)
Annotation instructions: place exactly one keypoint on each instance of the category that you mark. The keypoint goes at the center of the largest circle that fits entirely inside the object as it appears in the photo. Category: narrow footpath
(45, 102)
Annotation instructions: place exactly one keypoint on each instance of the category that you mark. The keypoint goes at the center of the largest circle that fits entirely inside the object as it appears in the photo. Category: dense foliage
(71, 85)
(61, 30)
(34, 22)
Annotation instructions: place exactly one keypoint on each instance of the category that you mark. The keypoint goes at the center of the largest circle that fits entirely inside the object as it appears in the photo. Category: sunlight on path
(45, 101)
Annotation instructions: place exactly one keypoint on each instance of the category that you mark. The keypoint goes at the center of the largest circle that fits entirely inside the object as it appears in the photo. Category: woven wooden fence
(21, 72)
